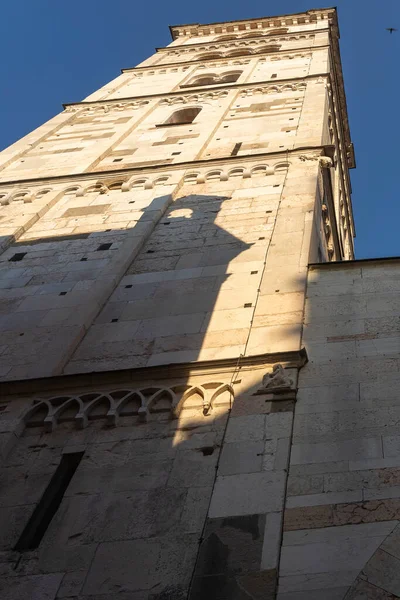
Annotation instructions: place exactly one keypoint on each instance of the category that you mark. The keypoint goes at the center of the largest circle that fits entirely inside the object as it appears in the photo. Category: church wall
(170, 464)
(343, 493)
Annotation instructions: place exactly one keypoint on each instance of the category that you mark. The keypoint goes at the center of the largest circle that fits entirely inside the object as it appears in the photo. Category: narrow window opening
(274, 75)
(17, 257)
(48, 505)
(83, 259)
(104, 247)
(253, 272)
(128, 286)
(117, 159)
(236, 149)
(175, 153)
(62, 294)
(247, 305)
(114, 320)
(184, 116)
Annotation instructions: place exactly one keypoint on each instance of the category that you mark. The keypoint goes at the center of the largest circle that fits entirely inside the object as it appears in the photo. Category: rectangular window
(48, 505)
(236, 149)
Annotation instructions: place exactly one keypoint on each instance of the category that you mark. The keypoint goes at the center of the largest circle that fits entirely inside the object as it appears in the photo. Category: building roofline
(350, 263)
(308, 12)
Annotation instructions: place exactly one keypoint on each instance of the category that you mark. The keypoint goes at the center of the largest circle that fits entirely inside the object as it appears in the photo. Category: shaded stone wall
(343, 488)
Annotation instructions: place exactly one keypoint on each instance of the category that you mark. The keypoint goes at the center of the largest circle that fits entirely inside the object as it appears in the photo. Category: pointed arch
(98, 408)
(130, 404)
(161, 401)
(68, 411)
(210, 56)
(36, 414)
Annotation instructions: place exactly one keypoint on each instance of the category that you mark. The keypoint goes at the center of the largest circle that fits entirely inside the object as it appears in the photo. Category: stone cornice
(201, 90)
(197, 29)
(191, 165)
(297, 358)
(212, 60)
(282, 37)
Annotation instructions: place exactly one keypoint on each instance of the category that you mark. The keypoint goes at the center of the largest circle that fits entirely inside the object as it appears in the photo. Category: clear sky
(55, 51)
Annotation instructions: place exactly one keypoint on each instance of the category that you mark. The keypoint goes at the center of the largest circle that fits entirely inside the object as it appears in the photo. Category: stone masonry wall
(343, 490)
(173, 490)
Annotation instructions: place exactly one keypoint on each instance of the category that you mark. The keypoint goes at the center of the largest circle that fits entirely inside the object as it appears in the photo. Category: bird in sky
(391, 29)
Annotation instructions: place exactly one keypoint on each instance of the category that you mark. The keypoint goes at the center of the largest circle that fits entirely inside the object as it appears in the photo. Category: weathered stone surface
(383, 571)
(37, 587)
(363, 590)
(247, 494)
(241, 457)
(308, 517)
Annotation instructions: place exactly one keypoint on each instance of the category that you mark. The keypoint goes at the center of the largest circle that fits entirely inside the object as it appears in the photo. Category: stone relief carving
(324, 161)
(270, 89)
(117, 404)
(276, 381)
(122, 183)
(245, 172)
(95, 109)
(238, 44)
(214, 95)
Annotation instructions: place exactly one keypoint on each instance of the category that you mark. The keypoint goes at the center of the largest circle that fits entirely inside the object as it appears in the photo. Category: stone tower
(156, 241)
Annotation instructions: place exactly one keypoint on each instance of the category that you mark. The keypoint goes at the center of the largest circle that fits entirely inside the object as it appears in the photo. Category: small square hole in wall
(261, 238)
(62, 294)
(253, 272)
(274, 75)
(175, 153)
(281, 146)
(83, 259)
(167, 223)
(104, 247)
(248, 305)
(108, 229)
(118, 159)
(131, 201)
(226, 126)
(150, 252)
(114, 320)
(291, 119)
(276, 185)
(21, 334)
(268, 211)
(17, 257)
(128, 286)
(294, 108)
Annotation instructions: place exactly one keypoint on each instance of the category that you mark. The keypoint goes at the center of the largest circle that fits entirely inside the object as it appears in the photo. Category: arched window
(209, 79)
(209, 56)
(230, 77)
(265, 49)
(184, 116)
(241, 52)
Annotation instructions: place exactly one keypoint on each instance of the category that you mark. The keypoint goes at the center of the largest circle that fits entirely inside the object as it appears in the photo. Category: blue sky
(54, 51)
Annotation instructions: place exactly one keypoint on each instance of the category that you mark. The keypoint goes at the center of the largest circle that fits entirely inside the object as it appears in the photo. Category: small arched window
(184, 116)
(241, 52)
(210, 56)
(209, 79)
(230, 77)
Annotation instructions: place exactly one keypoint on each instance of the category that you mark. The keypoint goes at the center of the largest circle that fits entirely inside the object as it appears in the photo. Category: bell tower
(155, 243)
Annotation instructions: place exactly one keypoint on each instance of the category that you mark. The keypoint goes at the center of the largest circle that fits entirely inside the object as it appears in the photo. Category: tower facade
(156, 241)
